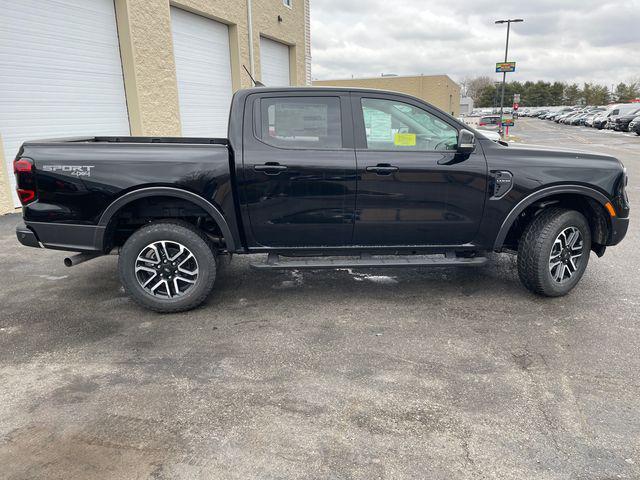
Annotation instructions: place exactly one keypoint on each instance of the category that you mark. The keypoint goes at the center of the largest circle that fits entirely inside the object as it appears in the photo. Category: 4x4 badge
(75, 170)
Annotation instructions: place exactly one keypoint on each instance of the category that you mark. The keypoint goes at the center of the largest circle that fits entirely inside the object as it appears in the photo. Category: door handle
(270, 168)
(383, 169)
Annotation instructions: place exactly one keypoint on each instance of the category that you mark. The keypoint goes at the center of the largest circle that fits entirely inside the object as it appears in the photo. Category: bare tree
(475, 86)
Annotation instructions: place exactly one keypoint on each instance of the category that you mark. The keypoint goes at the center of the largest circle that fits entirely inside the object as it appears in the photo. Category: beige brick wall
(290, 31)
(439, 90)
(6, 200)
(147, 52)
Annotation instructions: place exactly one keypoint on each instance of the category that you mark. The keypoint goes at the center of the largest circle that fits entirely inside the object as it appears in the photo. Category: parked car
(539, 113)
(588, 121)
(491, 135)
(602, 120)
(580, 118)
(599, 121)
(424, 190)
(489, 122)
(634, 126)
(567, 119)
(621, 122)
(577, 119)
(557, 113)
(563, 116)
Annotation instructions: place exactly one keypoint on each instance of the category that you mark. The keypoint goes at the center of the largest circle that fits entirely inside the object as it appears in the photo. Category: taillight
(482, 125)
(26, 196)
(25, 180)
(22, 165)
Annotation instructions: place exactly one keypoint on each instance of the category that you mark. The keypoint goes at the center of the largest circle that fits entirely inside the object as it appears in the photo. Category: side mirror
(466, 142)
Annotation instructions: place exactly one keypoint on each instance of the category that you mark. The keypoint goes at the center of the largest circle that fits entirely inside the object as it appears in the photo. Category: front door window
(398, 126)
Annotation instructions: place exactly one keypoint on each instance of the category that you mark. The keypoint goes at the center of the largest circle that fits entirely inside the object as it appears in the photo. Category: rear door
(299, 169)
(413, 188)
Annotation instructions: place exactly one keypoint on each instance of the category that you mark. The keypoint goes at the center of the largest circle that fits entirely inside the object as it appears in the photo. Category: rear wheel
(554, 252)
(168, 266)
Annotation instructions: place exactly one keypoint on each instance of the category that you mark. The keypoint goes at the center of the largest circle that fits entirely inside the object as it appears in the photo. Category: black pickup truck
(319, 178)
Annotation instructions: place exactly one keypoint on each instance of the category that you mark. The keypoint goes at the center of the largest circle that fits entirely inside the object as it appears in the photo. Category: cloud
(568, 40)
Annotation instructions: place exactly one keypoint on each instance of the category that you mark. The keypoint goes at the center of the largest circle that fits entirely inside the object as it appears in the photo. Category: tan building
(438, 90)
(139, 67)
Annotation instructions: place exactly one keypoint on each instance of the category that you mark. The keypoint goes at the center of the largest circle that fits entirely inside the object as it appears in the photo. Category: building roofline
(383, 77)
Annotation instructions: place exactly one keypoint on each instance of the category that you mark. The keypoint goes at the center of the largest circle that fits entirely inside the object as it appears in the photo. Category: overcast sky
(569, 40)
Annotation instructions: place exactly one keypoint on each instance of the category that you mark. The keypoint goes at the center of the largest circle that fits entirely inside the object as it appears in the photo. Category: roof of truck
(320, 88)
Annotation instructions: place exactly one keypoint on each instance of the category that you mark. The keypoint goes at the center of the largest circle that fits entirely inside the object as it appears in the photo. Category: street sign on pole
(516, 98)
(507, 121)
(505, 67)
(500, 67)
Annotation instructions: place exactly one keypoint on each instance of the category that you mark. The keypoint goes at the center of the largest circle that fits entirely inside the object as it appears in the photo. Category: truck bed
(122, 139)
(78, 179)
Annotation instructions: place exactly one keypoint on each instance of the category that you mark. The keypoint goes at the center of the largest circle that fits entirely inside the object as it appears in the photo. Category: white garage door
(274, 63)
(203, 68)
(60, 72)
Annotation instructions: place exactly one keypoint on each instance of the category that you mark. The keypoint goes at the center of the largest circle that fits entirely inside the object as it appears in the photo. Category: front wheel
(554, 252)
(168, 266)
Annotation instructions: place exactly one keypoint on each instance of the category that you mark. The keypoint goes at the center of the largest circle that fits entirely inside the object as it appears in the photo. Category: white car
(491, 135)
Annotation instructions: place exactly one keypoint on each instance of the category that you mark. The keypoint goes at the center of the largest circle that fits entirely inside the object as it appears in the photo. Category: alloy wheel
(166, 269)
(566, 254)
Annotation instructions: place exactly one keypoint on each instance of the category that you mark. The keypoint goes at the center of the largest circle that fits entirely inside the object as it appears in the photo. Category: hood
(544, 151)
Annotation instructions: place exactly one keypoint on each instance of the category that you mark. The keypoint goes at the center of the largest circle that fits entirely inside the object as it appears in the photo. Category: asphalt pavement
(349, 374)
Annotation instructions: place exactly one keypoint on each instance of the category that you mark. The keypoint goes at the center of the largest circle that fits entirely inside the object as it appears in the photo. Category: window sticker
(405, 139)
(378, 125)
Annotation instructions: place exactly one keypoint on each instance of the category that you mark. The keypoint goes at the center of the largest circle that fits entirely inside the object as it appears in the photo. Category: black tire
(184, 234)
(535, 248)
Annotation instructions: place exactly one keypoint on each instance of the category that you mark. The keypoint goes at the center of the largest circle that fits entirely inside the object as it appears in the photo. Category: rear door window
(301, 122)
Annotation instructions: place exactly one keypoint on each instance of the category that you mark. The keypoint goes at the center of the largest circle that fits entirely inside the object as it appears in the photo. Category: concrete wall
(439, 90)
(146, 46)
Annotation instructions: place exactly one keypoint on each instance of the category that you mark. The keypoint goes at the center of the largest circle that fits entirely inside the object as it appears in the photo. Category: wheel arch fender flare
(540, 195)
(115, 206)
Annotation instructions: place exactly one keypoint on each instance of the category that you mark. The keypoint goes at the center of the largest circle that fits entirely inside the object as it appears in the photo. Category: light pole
(506, 53)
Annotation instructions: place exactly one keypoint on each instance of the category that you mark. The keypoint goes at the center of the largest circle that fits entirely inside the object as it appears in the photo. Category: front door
(413, 187)
(299, 170)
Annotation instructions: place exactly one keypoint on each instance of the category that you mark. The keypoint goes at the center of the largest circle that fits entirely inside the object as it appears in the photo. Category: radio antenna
(255, 82)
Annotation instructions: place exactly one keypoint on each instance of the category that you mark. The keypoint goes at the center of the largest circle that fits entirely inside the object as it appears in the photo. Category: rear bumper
(26, 237)
(61, 236)
(619, 227)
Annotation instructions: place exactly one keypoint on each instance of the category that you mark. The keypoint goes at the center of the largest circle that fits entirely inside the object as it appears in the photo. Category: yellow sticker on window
(405, 140)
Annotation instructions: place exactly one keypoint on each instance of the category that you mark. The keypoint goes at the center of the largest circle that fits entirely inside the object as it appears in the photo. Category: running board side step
(274, 262)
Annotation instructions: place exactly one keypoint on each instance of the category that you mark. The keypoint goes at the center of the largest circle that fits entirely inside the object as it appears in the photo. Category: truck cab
(351, 168)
